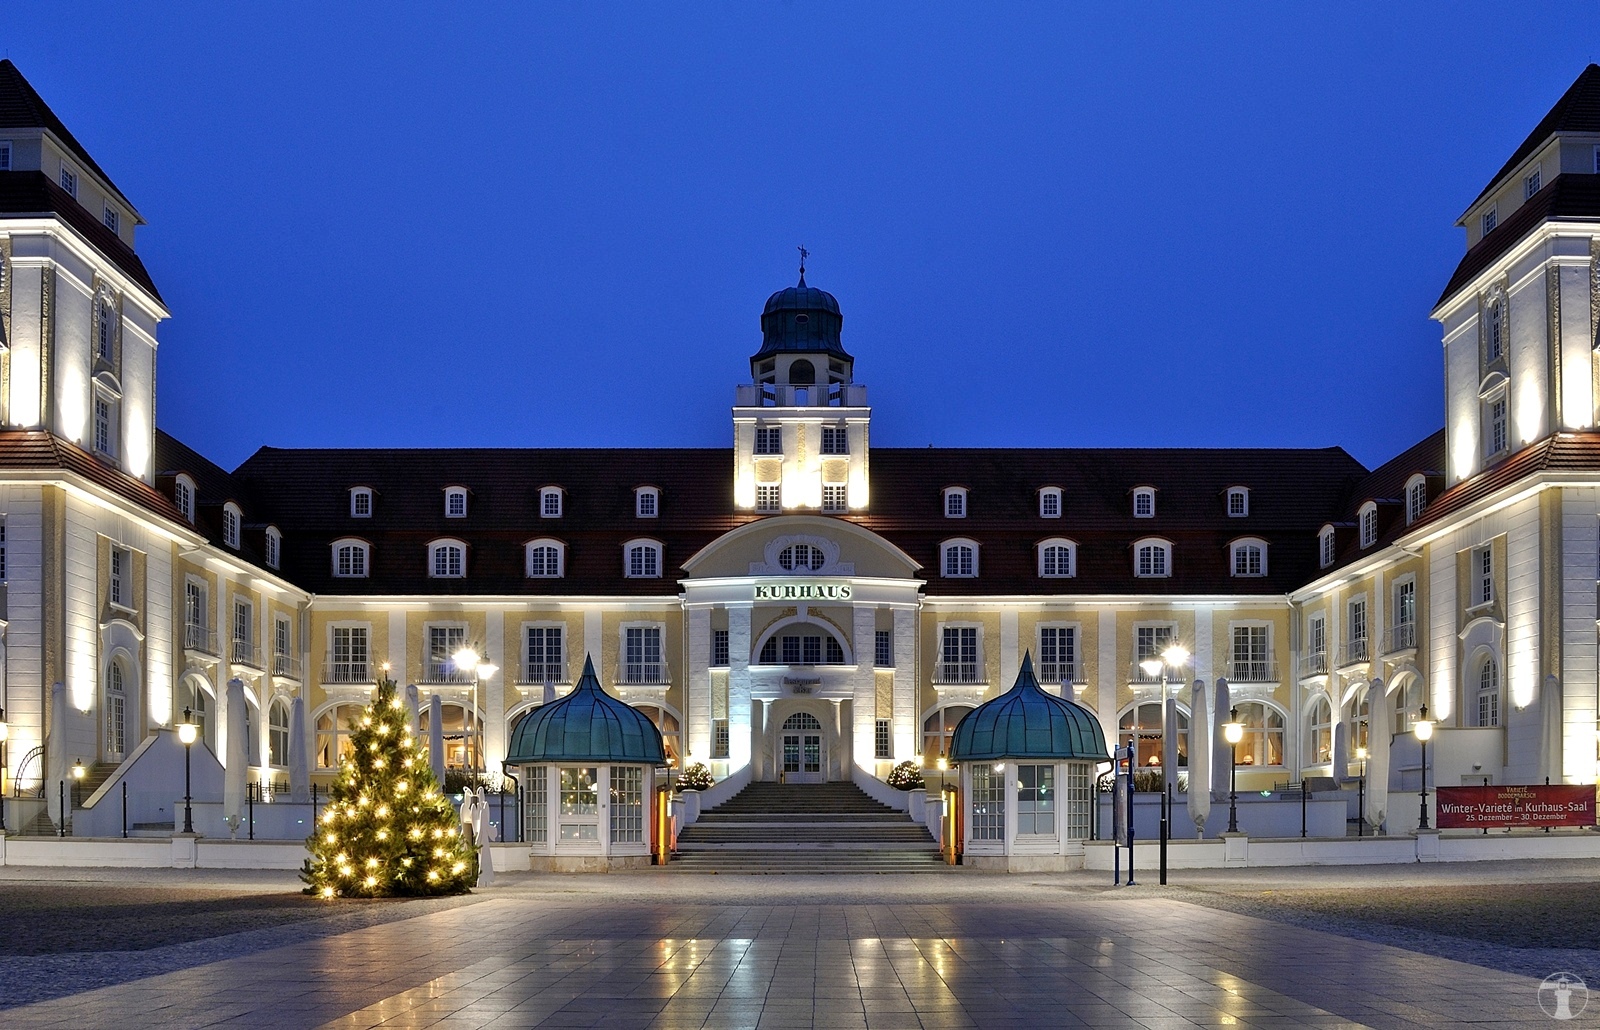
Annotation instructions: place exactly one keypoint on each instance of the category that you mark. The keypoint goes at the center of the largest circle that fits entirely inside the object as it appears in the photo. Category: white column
(741, 728)
(1204, 651)
(1010, 662)
(838, 763)
(697, 693)
(1580, 551)
(905, 683)
(397, 650)
(864, 692)
(1106, 680)
(492, 691)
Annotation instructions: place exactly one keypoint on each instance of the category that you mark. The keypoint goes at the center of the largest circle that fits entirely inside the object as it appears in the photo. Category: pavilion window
(627, 804)
(1036, 800)
(536, 804)
(580, 803)
(1078, 814)
(988, 802)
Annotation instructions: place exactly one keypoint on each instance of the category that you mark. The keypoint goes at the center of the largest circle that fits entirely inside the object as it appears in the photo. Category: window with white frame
(769, 439)
(550, 502)
(801, 558)
(455, 502)
(349, 648)
(1238, 502)
(69, 179)
(1416, 498)
(955, 502)
(443, 644)
(1497, 435)
(643, 560)
(361, 502)
(282, 646)
(447, 559)
(834, 498)
(350, 559)
(939, 727)
(1058, 654)
(196, 618)
(105, 437)
(1369, 524)
(105, 317)
(1150, 642)
(544, 654)
(1355, 615)
(121, 573)
(1249, 558)
(721, 738)
(1490, 219)
(1489, 692)
(1050, 502)
(1359, 714)
(988, 802)
(183, 497)
(232, 517)
(769, 497)
(274, 547)
(111, 219)
(1532, 183)
(1494, 329)
(646, 502)
(641, 655)
(1036, 800)
(1144, 503)
(545, 559)
(801, 644)
(1482, 565)
(1058, 559)
(1319, 741)
(1404, 634)
(1152, 559)
(883, 648)
(278, 732)
(882, 739)
(1316, 659)
(116, 711)
(1263, 735)
(958, 559)
(1327, 550)
(1252, 657)
(719, 649)
(835, 440)
(958, 655)
(243, 630)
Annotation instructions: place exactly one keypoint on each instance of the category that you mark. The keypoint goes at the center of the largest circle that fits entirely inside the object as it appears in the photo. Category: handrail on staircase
(34, 755)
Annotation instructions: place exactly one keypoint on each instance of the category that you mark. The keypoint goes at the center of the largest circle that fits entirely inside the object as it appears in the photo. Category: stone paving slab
(1093, 960)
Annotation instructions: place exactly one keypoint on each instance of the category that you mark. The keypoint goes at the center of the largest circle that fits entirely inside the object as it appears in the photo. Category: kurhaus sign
(802, 590)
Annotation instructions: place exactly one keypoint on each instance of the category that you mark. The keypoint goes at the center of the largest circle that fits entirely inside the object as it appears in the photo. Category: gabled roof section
(21, 107)
(1578, 110)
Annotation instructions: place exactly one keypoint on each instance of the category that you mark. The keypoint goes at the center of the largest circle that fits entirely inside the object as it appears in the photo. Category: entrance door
(802, 749)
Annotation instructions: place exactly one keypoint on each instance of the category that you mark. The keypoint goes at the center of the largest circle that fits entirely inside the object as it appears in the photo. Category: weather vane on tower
(804, 253)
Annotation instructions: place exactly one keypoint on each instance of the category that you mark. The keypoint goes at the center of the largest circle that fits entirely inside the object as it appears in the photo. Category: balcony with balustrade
(1253, 670)
(200, 639)
(1402, 637)
(244, 652)
(288, 667)
(533, 674)
(1060, 672)
(352, 671)
(443, 672)
(958, 673)
(1314, 664)
(1354, 651)
(644, 674)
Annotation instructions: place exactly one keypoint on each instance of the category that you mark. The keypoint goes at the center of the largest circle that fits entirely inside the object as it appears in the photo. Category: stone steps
(805, 862)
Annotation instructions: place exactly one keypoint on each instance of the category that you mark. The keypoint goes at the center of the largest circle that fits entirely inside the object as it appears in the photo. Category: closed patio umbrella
(233, 780)
(1199, 758)
(436, 738)
(1221, 750)
(1378, 734)
(299, 765)
(1340, 769)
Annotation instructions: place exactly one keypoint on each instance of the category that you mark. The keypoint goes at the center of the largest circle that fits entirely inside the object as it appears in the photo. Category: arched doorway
(801, 755)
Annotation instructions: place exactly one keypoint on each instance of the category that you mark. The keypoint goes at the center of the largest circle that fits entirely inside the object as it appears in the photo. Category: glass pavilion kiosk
(587, 764)
(1027, 765)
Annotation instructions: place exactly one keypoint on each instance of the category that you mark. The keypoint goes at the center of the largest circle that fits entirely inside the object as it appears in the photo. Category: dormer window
(1058, 559)
(447, 559)
(1490, 219)
(955, 502)
(1369, 524)
(550, 502)
(1050, 502)
(1416, 498)
(69, 179)
(835, 440)
(1249, 558)
(350, 559)
(1238, 502)
(546, 559)
(361, 502)
(455, 502)
(769, 439)
(274, 547)
(641, 559)
(646, 502)
(958, 559)
(231, 518)
(1532, 183)
(1326, 549)
(1152, 559)
(183, 497)
(1144, 502)
(110, 218)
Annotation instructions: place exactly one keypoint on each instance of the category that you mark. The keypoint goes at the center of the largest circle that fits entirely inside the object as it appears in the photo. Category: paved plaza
(664, 950)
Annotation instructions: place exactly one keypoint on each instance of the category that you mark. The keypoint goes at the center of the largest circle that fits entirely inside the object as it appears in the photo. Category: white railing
(200, 638)
(534, 673)
(645, 674)
(347, 672)
(1314, 664)
(958, 672)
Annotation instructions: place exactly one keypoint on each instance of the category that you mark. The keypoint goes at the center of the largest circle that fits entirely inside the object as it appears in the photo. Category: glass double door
(803, 760)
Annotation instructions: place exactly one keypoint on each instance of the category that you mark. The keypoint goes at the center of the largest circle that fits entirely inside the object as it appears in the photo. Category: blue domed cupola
(1026, 724)
(800, 346)
(588, 725)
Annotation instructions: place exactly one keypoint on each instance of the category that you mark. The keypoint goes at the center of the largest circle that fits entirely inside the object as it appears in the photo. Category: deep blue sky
(556, 224)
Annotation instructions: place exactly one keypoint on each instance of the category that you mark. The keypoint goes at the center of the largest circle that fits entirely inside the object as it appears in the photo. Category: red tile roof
(25, 450)
(1567, 197)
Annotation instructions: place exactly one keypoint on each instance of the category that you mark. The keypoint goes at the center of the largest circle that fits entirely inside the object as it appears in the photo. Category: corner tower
(800, 425)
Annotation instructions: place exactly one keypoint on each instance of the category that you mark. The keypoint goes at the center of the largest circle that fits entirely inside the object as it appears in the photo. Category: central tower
(800, 425)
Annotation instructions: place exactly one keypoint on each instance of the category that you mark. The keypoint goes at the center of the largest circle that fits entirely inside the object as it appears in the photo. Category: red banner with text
(1473, 808)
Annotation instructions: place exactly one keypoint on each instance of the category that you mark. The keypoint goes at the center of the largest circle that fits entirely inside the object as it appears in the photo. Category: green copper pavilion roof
(588, 725)
(1025, 723)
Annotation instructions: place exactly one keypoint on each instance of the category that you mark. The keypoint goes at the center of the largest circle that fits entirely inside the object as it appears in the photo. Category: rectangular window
(69, 179)
(110, 218)
(102, 425)
(1316, 645)
(644, 561)
(988, 803)
(955, 504)
(883, 649)
(1148, 643)
(550, 504)
(1050, 504)
(1482, 576)
(958, 655)
(719, 648)
(769, 497)
(580, 803)
(1144, 504)
(882, 740)
(361, 504)
(282, 639)
(455, 504)
(645, 505)
(719, 738)
(1058, 654)
(5, 155)
(1036, 800)
(1532, 183)
(1497, 438)
(1490, 219)
(642, 655)
(1405, 614)
(769, 439)
(627, 804)
(349, 655)
(1357, 636)
(1328, 550)
(536, 804)
(271, 554)
(835, 440)
(241, 622)
(1078, 815)
(545, 656)
(1251, 662)
(194, 605)
(443, 643)
(105, 330)
(1153, 560)
(121, 562)
(833, 498)
(1247, 560)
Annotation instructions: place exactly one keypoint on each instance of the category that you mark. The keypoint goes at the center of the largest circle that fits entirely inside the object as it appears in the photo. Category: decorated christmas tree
(388, 830)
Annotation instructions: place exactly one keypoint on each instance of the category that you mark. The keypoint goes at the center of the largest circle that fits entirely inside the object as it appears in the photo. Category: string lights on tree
(388, 830)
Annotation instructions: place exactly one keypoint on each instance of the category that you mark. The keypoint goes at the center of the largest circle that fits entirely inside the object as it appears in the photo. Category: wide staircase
(812, 828)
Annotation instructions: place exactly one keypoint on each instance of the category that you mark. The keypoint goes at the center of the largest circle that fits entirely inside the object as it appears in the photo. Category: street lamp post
(78, 772)
(1424, 732)
(187, 732)
(1233, 730)
(1361, 793)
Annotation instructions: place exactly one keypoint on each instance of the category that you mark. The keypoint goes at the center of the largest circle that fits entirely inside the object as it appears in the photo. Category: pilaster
(697, 691)
(740, 746)
(864, 687)
(905, 683)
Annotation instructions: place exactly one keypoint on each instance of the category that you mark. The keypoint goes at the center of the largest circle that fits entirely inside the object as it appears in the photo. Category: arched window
(361, 502)
(447, 559)
(802, 643)
(1144, 502)
(646, 502)
(333, 734)
(1407, 703)
(802, 373)
(274, 547)
(1326, 548)
(938, 728)
(1145, 723)
(278, 732)
(106, 319)
(1050, 502)
(1249, 558)
(1489, 692)
(1263, 735)
(801, 558)
(194, 697)
(642, 559)
(462, 733)
(546, 559)
(231, 519)
(183, 497)
(1058, 559)
(1494, 329)
(955, 502)
(116, 711)
(455, 502)
(1152, 559)
(1369, 524)
(667, 723)
(350, 559)
(1238, 502)
(958, 559)
(1319, 741)
(550, 502)
(1416, 498)
(1359, 715)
